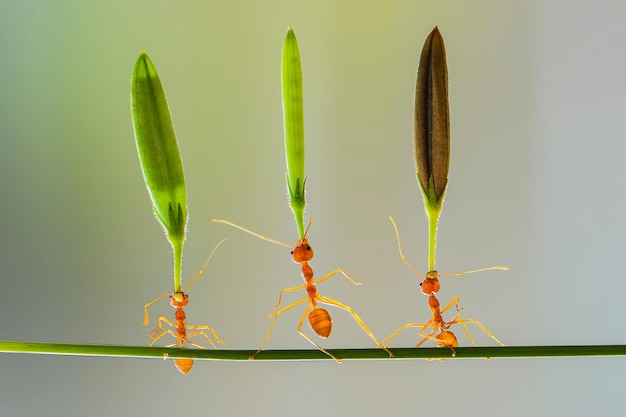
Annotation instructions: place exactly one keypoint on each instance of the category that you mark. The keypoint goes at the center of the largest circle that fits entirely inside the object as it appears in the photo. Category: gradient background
(537, 105)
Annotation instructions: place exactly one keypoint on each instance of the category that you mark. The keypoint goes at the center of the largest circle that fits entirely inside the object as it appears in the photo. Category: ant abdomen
(183, 365)
(320, 322)
(447, 339)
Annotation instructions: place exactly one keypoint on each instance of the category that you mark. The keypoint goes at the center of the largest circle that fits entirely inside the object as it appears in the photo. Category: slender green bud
(159, 156)
(293, 119)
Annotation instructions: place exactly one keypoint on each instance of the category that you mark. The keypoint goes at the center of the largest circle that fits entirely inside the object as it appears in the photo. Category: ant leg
(330, 301)
(455, 300)
(345, 274)
(406, 326)
(145, 308)
(427, 336)
(206, 263)
(209, 328)
(171, 333)
(436, 327)
(159, 332)
(306, 312)
(199, 333)
(178, 340)
(462, 321)
(281, 311)
(439, 342)
(280, 297)
(198, 345)
(406, 261)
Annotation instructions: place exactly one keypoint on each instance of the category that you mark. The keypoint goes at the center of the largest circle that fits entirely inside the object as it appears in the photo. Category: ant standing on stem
(319, 318)
(432, 162)
(178, 300)
(429, 287)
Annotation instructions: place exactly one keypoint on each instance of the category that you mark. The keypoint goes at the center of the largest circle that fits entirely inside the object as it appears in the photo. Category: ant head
(179, 299)
(430, 285)
(446, 339)
(303, 252)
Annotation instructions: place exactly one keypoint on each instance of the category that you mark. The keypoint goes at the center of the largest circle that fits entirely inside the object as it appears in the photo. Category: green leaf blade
(293, 119)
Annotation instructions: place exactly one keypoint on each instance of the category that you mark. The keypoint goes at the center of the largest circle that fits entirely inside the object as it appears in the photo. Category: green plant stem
(178, 266)
(310, 354)
(433, 223)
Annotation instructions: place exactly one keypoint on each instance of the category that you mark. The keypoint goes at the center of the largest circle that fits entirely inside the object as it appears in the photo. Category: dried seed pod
(432, 120)
(432, 132)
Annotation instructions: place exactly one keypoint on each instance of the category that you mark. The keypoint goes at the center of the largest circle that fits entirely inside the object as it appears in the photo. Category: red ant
(429, 287)
(179, 300)
(319, 318)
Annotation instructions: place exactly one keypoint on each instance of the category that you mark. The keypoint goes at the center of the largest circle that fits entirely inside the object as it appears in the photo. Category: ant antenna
(278, 242)
(400, 249)
(308, 226)
(203, 266)
(502, 268)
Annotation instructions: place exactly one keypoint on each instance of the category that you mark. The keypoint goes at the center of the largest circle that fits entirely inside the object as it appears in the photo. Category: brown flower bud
(432, 120)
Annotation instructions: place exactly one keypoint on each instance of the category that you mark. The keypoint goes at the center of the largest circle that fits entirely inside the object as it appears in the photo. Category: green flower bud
(159, 156)
(293, 119)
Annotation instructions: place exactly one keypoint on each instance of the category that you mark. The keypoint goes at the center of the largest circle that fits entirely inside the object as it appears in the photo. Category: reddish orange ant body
(178, 300)
(319, 318)
(430, 286)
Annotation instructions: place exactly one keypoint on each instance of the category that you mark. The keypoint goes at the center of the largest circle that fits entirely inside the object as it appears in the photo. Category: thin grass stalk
(311, 354)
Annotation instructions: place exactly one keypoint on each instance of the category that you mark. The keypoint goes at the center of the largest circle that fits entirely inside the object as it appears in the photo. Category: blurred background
(537, 116)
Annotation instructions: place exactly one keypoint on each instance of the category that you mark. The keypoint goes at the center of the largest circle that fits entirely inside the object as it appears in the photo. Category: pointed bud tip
(143, 66)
